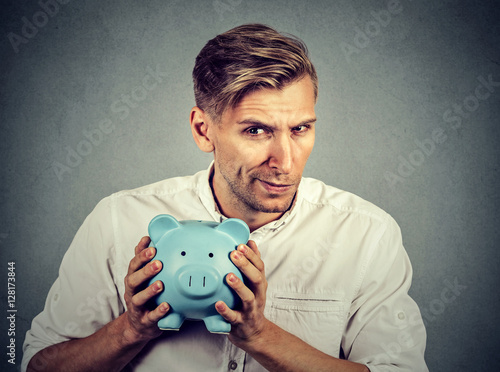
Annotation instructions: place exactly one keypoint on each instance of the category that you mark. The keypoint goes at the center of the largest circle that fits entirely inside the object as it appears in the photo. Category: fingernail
(164, 307)
(156, 265)
(236, 255)
(150, 253)
(242, 249)
(231, 278)
(157, 286)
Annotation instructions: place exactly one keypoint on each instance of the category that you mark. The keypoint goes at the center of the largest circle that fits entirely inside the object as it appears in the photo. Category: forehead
(294, 103)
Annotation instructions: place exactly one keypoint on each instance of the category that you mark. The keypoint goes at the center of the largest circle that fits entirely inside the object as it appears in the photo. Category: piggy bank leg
(171, 322)
(217, 324)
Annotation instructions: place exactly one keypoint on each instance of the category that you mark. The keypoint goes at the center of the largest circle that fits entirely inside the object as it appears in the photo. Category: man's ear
(199, 127)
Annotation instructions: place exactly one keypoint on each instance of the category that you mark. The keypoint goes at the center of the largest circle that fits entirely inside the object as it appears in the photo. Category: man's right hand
(141, 318)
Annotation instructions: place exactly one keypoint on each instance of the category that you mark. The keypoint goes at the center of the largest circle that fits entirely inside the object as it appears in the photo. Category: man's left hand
(248, 322)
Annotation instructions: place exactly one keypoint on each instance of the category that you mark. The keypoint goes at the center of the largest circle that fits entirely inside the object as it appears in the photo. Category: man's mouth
(275, 188)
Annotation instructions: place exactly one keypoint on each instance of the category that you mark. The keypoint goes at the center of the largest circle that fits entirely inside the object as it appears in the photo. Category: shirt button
(233, 365)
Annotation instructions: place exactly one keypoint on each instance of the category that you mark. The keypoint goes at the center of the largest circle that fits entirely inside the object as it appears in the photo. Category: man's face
(261, 148)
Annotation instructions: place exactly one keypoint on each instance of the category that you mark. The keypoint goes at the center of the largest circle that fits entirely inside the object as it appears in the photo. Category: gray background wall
(402, 123)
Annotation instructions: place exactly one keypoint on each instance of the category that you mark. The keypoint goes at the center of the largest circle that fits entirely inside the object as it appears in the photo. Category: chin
(274, 207)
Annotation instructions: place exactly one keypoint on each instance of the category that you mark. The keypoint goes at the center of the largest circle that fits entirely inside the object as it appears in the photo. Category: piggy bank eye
(183, 253)
(210, 255)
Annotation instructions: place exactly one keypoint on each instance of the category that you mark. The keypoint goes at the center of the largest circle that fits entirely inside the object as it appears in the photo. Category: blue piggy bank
(195, 258)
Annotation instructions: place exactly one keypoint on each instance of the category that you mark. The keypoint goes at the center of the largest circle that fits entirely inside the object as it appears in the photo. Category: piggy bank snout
(198, 281)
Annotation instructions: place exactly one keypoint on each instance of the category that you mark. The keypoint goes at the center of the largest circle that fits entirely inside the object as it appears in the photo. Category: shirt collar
(206, 195)
(208, 200)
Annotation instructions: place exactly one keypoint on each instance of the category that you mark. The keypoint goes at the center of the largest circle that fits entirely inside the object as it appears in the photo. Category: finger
(253, 247)
(140, 259)
(244, 293)
(158, 313)
(252, 254)
(256, 279)
(140, 298)
(136, 279)
(253, 274)
(143, 244)
(227, 313)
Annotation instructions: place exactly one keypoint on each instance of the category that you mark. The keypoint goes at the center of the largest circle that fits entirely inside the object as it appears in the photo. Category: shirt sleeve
(385, 330)
(84, 297)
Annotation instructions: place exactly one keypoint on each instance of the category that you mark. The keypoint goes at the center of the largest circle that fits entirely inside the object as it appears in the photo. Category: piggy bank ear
(160, 225)
(235, 228)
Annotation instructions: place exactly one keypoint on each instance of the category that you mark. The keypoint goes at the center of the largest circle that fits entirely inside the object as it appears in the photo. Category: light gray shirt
(338, 278)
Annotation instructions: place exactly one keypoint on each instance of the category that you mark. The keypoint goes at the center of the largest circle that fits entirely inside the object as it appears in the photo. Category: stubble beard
(243, 194)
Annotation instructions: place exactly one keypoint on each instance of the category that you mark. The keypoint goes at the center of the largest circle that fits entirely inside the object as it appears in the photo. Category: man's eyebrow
(252, 122)
(306, 122)
(256, 122)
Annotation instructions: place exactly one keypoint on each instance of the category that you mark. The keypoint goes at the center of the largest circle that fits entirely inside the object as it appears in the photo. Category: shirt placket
(236, 359)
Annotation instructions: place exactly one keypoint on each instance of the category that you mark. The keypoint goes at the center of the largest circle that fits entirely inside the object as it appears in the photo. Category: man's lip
(275, 184)
(275, 187)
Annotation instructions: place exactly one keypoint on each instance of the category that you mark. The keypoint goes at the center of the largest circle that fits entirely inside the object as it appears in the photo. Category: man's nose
(281, 154)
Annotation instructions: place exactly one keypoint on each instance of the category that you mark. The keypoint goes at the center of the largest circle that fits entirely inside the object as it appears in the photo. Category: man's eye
(255, 131)
(301, 128)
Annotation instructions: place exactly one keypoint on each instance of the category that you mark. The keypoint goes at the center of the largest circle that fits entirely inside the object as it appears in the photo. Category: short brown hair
(246, 58)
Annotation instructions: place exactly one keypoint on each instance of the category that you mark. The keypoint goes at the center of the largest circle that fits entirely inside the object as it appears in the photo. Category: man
(327, 273)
